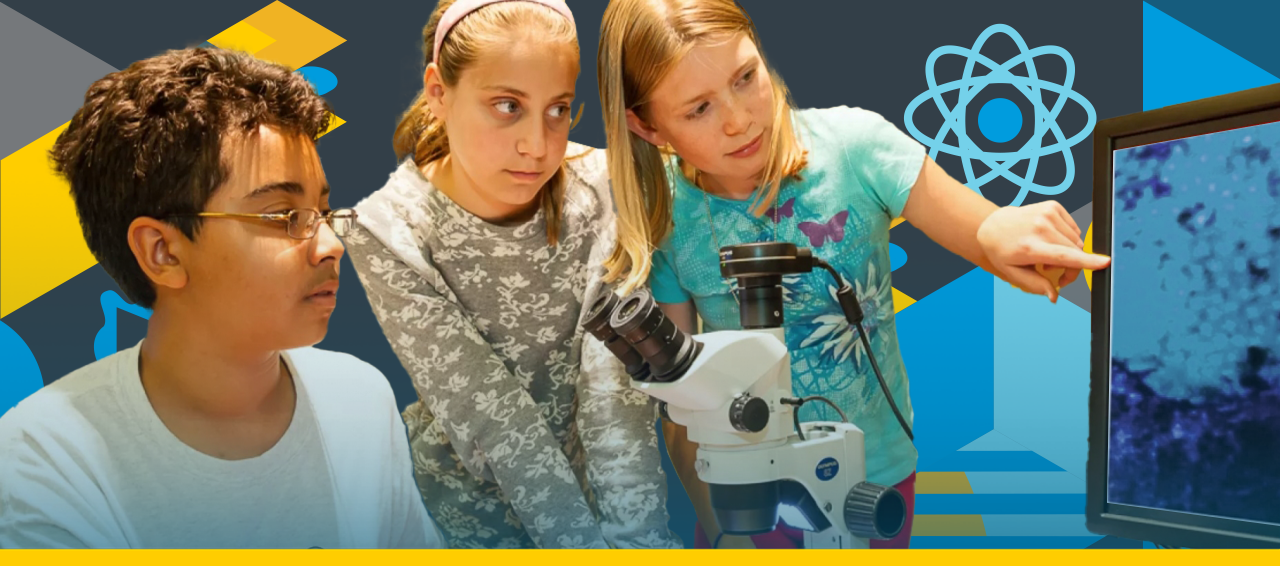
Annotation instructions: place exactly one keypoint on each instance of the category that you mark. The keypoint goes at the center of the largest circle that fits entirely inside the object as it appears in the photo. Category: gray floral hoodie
(525, 434)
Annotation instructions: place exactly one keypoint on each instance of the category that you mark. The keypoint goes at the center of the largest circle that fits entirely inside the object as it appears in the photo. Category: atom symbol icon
(999, 120)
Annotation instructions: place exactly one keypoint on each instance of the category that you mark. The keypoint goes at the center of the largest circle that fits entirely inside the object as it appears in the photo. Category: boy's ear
(434, 90)
(159, 249)
(641, 128)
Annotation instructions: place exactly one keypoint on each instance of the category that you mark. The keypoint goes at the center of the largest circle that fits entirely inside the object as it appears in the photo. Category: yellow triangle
(1088, 248)
(334, 122)
(41, 245)
(901, 300)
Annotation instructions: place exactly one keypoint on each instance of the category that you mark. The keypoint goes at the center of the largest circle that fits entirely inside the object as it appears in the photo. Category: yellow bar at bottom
(985, 557)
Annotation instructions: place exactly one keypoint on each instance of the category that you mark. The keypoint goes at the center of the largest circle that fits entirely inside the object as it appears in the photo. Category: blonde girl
(706, 150)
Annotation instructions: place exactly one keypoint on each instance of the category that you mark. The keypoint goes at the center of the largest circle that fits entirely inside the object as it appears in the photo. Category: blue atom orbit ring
(1045, 119)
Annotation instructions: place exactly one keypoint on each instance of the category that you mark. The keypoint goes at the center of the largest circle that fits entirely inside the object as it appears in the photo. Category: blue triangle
(1179, 64)
(993, 442)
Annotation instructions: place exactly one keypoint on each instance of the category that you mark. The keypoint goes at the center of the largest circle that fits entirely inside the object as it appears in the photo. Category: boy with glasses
(200, 192)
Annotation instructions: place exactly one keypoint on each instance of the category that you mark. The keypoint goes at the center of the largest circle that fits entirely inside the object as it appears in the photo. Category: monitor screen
(1194, 390)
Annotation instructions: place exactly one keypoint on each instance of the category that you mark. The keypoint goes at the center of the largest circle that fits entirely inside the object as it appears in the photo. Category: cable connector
(853, 313)
(849, 304)
(845, 295)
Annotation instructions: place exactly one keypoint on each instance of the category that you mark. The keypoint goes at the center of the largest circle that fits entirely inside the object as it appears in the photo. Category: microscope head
(654, 350)
(725, 387)
(641, 336)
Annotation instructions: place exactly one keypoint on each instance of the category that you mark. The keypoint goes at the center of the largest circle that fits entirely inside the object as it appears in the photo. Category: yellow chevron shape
(242, 37)
(41, 245)
(298, 40)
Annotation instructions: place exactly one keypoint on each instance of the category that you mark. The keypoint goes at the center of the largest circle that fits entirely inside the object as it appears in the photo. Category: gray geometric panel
(1083, 217)
(1078, 291)
(45, 78)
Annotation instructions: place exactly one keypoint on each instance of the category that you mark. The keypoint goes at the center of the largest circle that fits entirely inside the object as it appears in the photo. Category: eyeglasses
(303, 223)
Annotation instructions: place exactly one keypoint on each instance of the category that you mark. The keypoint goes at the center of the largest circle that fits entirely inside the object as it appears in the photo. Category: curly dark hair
(148, 140)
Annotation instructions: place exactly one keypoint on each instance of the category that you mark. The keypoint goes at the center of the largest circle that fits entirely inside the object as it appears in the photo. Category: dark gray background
(867, 54)
(863, 54)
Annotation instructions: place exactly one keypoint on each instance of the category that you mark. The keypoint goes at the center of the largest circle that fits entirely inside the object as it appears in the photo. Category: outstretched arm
(1009, 242)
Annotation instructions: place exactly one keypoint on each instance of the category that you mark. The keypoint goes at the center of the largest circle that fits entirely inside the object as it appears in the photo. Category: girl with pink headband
(478, 256)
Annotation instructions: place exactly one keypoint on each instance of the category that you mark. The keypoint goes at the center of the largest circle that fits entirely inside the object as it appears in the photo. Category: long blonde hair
(487, 30)
(640, 42)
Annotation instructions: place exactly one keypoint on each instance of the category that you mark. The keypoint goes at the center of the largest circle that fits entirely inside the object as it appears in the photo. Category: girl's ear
(435, 92)
(641, 128)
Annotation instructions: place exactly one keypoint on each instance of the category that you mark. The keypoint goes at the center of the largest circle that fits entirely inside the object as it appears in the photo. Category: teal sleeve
(663, 282)
(884, 159)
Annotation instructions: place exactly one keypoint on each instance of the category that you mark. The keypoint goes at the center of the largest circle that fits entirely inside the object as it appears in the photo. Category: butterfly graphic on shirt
(819, 233)
(787, 210)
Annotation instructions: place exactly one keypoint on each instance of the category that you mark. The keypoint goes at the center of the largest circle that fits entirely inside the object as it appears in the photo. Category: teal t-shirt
(860, 171)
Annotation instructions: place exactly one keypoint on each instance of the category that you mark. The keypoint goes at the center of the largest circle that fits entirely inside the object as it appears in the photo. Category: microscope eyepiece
(597, 323)
(667, 349)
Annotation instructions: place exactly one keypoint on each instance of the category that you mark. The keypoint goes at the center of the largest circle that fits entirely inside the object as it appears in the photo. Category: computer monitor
(1184, 409)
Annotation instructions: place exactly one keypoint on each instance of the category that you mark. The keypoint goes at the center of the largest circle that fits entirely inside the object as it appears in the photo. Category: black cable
(798, 402)
(834, 274)
(853, 313)
(867, 344)
(716, 544)
(795, 415)
(827, 401)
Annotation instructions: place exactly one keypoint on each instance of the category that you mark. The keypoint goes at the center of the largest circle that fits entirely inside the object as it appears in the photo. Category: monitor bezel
(1226, 112)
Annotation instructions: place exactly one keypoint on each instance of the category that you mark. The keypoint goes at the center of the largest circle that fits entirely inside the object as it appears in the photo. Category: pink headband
(461, 8)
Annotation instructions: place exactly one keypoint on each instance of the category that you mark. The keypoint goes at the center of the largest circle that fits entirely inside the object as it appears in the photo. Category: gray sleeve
(617, 423)
(490, 420)
(624, 465)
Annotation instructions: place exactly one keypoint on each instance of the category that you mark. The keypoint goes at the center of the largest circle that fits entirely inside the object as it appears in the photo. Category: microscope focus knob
(749, 414)
(874, 511)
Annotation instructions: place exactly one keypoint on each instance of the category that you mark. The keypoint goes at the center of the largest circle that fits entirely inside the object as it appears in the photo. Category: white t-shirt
(85, 462)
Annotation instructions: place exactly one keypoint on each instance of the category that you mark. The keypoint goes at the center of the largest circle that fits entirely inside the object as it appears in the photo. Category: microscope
(732, 390)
